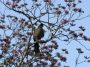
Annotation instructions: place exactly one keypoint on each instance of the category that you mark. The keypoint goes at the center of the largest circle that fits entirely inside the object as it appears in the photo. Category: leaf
(88, 61)
(79, 50)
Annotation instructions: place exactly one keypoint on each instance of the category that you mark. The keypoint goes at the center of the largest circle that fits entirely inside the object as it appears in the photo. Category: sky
(85, 5)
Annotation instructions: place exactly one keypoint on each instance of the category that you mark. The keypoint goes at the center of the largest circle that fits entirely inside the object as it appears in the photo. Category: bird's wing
(42, 33)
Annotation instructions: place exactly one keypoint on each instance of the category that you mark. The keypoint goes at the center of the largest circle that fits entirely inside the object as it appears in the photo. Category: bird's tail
(36, 48)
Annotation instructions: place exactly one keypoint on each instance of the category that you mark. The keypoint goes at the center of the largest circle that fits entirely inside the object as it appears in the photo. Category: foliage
(16, 41)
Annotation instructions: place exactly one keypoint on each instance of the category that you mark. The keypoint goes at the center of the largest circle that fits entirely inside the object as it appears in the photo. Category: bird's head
(41, 25)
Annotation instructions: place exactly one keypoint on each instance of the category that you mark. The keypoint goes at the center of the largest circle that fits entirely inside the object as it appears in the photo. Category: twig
(82, 45)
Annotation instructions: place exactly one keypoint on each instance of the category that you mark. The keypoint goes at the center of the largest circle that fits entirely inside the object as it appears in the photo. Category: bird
(38, 34)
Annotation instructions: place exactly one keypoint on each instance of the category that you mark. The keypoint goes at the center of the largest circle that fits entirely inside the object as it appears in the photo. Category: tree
(16, 41)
